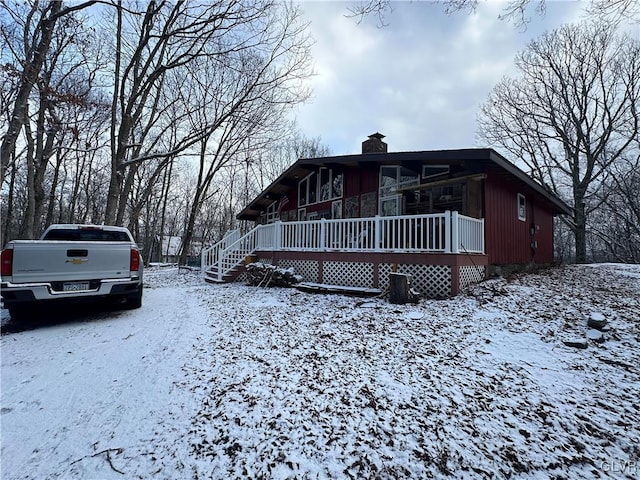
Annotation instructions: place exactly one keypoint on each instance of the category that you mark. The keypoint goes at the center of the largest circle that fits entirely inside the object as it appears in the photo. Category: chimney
(374, 144)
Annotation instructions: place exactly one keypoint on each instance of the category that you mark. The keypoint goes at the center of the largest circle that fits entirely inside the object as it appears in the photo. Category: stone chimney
(374, 144)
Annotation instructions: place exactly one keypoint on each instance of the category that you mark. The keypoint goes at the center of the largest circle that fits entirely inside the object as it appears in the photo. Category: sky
(420, 80)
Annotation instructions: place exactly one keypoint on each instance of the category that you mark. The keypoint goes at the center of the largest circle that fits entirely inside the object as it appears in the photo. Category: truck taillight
(7, 262)
(134, 264)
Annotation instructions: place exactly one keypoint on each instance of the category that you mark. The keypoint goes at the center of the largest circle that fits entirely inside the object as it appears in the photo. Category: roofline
(521, 175)
(455, 154)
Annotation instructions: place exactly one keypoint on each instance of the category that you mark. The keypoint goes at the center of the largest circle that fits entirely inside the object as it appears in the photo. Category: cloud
(420, 80)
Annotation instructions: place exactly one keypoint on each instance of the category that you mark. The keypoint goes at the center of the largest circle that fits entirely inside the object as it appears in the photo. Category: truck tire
(19, 312)
(134, 300)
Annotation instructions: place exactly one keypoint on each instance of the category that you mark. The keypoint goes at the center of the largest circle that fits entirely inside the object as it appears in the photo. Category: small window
(325, 184)
(302, 191)
(429, 171)
(272, 213)
(337, 185)
(522, 208)
(336, 209)
(313, 188)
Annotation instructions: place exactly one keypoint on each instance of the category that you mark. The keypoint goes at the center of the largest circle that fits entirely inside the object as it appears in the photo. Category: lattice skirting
(471, 274)
(309, 269)
(431, 280)
(349, 274)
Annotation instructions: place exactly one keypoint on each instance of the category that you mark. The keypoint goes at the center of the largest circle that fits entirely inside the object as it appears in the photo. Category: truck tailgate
(36, 260)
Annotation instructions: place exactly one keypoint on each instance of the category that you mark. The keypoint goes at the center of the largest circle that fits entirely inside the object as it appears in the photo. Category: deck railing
(210, 256)
(447, 232)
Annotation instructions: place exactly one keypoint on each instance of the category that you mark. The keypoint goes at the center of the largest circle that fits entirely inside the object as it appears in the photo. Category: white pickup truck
(71, 263)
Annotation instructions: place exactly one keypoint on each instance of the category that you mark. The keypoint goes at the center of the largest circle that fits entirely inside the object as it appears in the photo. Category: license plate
(75, 287)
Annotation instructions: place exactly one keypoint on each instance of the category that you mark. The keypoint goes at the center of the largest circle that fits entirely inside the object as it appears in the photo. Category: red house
(446, 217)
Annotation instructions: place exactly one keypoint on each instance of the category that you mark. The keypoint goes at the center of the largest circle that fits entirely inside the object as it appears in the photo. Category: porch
(443, 252)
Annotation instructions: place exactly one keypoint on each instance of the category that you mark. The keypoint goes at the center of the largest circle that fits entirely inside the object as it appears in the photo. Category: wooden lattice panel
(350, 274)
(471, 274)
(431, 280)
(307, 268)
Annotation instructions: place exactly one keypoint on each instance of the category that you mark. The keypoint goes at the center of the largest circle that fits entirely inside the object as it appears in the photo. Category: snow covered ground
(234, 381)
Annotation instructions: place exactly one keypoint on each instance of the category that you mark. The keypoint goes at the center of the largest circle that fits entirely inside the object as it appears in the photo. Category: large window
(320, 187)
(393, 178)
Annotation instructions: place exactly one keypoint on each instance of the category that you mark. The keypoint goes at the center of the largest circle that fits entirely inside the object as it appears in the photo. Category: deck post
(447, 231)
(455, 243)
(277, 235)
(323, 234)
(378, 233)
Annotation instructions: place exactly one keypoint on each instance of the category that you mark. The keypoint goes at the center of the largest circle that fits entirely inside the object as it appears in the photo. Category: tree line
(169, 117)
(155, 115)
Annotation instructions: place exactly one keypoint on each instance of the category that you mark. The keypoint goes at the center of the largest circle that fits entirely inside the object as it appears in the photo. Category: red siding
(508, 239)
(361, 180)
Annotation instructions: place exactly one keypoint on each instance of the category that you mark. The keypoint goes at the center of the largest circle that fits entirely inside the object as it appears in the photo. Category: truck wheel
(18, 313)
(135, 300)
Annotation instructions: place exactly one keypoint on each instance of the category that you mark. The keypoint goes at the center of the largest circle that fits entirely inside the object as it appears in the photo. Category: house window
(390, 206)
(303, 194)
(393, 178)
(272, 213)
(325, 184)
(429, 171)
(313, 188)
(320, 187)
(336, 209)
(522, 208)
(337, 184)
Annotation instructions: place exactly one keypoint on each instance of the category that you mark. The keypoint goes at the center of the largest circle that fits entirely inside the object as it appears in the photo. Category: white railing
(209, 256)
(447, 232)
(401, 233)
(470, 233)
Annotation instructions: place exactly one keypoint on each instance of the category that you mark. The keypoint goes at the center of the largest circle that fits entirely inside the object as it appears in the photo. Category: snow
(232, 381)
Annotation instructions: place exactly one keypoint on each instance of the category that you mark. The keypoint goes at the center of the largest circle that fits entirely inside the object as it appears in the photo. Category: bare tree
(50, 117)
(518, 12)
(616, 223)
(259, 38)
(571, 114)
(38, 23)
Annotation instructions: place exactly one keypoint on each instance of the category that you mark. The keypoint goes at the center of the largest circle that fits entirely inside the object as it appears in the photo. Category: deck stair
(227, 271)
(224, 262)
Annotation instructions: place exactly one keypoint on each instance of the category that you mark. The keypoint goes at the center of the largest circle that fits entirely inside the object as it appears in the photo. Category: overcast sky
(420, 80)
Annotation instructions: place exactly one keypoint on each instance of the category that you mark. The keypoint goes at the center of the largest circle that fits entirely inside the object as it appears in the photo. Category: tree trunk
(580, 232)
(188, 234)
(29, 78)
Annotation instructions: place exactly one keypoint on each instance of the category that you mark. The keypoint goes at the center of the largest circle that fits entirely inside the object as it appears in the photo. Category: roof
(489, 160)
